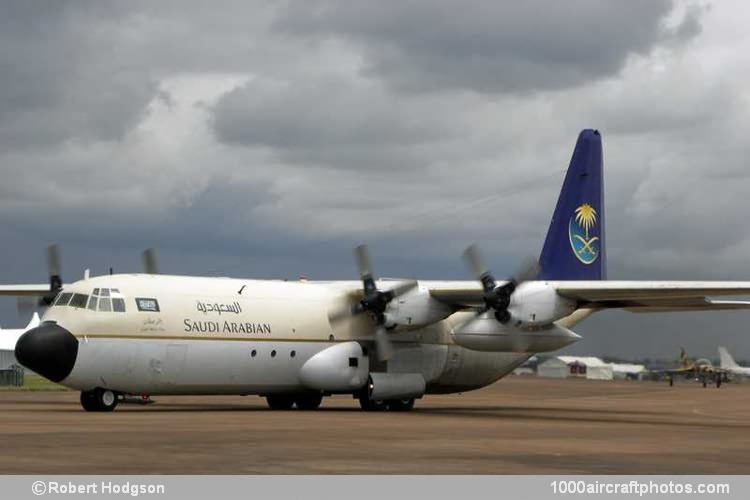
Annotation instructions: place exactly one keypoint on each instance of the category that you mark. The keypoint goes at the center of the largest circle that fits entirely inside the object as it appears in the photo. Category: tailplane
(575, 247)
(684, 360)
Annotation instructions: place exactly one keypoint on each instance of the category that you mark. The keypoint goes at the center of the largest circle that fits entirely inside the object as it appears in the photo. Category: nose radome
(49, 350)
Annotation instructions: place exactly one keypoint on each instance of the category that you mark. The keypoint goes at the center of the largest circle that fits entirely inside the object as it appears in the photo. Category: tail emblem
(582, 231)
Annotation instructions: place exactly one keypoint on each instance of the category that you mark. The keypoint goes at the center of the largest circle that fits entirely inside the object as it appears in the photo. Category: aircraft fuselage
(154, 334)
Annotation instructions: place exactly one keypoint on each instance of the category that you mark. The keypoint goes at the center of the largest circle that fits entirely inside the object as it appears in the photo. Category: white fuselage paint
(228, 336)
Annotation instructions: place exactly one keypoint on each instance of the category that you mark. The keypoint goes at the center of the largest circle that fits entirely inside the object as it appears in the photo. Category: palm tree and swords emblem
(581, 241)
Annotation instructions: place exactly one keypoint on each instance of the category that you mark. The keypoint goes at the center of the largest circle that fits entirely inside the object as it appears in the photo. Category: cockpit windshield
(101, 299)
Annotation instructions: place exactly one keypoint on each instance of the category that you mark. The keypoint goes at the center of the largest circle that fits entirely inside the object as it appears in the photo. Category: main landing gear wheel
(400, 404)
(99, 400)
(368, 404)
(308, 401)
(280, 401)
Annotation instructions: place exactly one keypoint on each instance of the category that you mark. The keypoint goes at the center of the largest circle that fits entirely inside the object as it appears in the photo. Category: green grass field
(35, 383)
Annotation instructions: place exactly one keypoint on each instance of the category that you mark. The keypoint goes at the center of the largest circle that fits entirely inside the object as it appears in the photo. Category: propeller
(55, 279)
(27, 305)
(496, 297)
(373, 301)
(149, 261)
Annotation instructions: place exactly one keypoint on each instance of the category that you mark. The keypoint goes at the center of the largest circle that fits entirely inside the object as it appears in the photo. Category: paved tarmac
(517, 426)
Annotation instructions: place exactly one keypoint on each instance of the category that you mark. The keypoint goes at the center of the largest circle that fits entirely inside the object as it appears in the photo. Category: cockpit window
(105, 304)
(105, 292)
(79, 300)
(95, 292)
(118, 305)
(92, 302)
(63, 299)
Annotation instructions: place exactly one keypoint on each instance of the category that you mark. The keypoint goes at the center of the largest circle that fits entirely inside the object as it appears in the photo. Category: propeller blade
(401, 289)
(344, 312)
(383, 344)
(473, 258)
(362, 255)
(55, 280)
(480, 311)
(364, 266)
(53, 260)
(149, 261)
(528, 271)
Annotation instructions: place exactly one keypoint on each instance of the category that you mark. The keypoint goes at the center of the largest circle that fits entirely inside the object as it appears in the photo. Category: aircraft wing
(20, 290)
(634, 296)
(656, 296)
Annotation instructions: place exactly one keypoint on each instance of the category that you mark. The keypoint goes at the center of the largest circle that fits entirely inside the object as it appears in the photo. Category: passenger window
(79, 300)
(105, 292)
(118, 305)
(63, 299)
(105, 304)
(92, 303)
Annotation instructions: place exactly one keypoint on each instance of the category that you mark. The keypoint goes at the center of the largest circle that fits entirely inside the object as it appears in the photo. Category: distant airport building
(11, 373)
(575, 367)
(7, 359)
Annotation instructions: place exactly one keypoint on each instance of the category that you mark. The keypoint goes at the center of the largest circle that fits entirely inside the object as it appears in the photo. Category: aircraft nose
(49, 350)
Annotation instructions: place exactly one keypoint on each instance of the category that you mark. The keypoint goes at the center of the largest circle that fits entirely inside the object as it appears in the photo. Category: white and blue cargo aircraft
(386, 342)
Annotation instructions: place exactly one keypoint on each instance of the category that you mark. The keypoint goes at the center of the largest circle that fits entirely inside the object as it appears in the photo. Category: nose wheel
(99, 400)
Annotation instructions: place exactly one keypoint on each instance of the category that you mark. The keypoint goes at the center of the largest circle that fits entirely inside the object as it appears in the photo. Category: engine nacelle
(416, 308)
(537, 303)
(485, 333)
(340, 368)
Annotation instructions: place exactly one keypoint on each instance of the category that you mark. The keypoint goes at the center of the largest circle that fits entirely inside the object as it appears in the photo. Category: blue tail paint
(575, 246)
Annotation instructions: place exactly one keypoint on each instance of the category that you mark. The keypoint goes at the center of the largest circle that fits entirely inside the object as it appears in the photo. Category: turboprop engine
(536, 304)
(416, 308)
(518, 315)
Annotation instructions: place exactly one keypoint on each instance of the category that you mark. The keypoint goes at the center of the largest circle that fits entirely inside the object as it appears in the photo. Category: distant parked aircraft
(728, 363)
(701, 370)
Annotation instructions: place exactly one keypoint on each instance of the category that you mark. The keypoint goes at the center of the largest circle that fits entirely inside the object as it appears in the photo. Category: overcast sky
(266, 139)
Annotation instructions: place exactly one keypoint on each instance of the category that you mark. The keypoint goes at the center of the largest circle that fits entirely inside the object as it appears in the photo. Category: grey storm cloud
(267, 138)
(333, 121)
(491, 46)
(62, 77)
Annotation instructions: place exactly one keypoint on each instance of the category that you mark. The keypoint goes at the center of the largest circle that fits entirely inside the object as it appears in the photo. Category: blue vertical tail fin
(575, 247)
